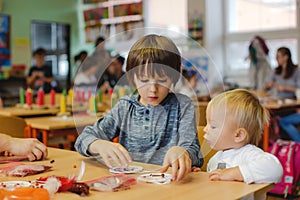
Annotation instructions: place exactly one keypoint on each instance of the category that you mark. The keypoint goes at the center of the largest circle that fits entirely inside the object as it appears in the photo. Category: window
(274, 20)
(258, 15)
(55, 38)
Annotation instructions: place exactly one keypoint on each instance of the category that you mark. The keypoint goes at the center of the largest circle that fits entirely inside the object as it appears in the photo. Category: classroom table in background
(22, 112)
(101, 107)
(55, 126)
(277, 108)
(195, 185)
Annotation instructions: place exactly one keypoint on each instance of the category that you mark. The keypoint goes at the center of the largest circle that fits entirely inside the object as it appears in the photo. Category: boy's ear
(240, 135)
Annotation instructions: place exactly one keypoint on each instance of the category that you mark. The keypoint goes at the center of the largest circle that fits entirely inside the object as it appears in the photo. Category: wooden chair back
(200, 112)
(13, 126)
(206, 150)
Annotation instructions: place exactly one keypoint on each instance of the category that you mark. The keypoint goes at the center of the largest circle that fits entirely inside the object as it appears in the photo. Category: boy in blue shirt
(154, 126)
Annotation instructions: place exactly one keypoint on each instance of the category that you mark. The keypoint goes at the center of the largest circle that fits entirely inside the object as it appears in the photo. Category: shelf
(107, 3)
(115, 20)
(122, 19)
(109, 14)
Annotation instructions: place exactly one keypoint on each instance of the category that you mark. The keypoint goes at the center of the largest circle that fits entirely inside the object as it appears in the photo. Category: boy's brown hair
(153, 54)
(244, 107)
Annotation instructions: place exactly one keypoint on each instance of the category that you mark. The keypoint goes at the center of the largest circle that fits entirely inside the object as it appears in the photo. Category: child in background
(154, 126)
(235, 122)
(189, 87)
(87, 76)
(40, 75)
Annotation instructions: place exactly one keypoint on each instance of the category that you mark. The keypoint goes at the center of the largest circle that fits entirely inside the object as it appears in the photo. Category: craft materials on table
(28, 98)
(52, 98)
(41, 98)
(131, 169)
(22, 96)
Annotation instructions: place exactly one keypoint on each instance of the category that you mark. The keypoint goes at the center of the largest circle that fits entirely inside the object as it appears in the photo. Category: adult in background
(78, 59)
(286, 77)
(114, 75)
(87, 74)
(260, 68)
(103, 57)
(189, 86)
(40, 74)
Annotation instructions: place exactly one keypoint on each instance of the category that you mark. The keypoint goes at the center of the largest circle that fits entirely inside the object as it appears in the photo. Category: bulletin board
(5, 52)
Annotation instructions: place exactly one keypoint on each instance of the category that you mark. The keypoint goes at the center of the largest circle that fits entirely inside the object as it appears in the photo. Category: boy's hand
(229, 174)
(32, 148)
(180, 160)
(112, 153)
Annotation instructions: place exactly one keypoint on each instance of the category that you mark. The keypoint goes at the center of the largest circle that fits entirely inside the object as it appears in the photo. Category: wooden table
(195, 186)
(276, 108)
(57, 126)
(22, 112)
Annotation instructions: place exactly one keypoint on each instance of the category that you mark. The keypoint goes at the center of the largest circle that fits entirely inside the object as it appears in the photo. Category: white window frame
(289, 33)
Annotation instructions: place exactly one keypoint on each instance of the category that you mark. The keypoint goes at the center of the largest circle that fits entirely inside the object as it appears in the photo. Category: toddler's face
(220, 128)
(152, 90)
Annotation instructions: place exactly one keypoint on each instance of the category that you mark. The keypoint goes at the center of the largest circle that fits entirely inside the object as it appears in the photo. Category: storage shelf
(122, 19)
(111, 13)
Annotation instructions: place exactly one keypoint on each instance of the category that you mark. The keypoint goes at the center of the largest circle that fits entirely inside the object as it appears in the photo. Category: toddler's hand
(112, 153)
(180, 160)
(229, 174)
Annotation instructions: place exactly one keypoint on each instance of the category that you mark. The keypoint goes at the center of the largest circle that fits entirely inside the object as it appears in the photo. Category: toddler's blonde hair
(244, 107)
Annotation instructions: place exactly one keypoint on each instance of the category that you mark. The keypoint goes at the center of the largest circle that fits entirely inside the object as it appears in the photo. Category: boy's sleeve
(105, 128)
(188, 133)
(261, 167)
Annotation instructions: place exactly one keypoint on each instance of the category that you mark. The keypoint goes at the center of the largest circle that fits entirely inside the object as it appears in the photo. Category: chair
(206, 150)
(200, 112)
(13, 126)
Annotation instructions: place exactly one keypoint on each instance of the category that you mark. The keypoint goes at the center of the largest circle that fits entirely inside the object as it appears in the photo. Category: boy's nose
(153, 86)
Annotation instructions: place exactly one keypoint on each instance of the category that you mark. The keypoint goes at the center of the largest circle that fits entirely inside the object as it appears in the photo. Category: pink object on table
(28, 97)
(41, 97)
(52, 97)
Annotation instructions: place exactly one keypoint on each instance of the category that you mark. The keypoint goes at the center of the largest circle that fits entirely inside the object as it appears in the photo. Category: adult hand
(31, 147)
(180, 161)
(112, 153)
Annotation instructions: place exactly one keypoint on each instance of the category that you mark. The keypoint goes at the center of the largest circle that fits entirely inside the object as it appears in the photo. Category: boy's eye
(144, 80)
(162, 80)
